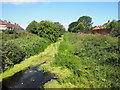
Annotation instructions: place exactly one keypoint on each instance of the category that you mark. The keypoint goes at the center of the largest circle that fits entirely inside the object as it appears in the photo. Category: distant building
(97, 27)
(4, 25)
(101, 27)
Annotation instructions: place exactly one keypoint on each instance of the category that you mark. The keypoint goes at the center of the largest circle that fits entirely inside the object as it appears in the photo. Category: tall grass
(93, 60)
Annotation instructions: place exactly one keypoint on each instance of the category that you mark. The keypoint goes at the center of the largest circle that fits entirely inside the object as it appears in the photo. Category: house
(102, 26)
(99, 29)
(4, 25)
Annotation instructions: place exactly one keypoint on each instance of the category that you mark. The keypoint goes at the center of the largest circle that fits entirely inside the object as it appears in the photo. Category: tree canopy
(72, 25)
(32, 27)
(80, 27)
(113, 24)
(83, 23)
(87, 21)
(47, 29)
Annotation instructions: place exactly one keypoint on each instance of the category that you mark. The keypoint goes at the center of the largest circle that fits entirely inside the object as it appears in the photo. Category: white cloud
(22, 1)
(33, 1)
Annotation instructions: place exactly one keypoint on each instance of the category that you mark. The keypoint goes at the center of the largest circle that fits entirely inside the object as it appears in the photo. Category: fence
(100, 31)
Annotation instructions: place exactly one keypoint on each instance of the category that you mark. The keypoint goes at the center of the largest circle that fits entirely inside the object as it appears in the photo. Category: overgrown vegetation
(115, 26)
(46, 29)
(17, 47)
(12, 31)
(93, 61)
(44, 57)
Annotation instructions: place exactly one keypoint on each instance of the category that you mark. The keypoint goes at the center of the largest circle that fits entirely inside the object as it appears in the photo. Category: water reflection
(31, 78)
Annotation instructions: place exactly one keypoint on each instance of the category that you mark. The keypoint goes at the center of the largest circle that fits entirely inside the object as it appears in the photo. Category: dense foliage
(17, 47)
(115, 32)
(92, 59)
(12, 31)
(46, 29)
(87, 21)
(32, 27)
(83, 23)
(113, 24)
(11, 54)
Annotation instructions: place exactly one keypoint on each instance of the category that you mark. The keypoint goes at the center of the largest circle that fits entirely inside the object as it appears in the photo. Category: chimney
(9, 22)
(15, 24)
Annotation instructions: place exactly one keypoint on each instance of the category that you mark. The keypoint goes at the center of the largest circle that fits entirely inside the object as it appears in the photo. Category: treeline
(46, 29)
(85, 23)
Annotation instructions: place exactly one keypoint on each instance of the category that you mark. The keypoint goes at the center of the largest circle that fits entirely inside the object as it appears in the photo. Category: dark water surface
(31, 78)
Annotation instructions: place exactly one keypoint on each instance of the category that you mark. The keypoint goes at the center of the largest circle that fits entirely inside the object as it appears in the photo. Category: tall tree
(80, 27)
(72, 26)
(87, 21)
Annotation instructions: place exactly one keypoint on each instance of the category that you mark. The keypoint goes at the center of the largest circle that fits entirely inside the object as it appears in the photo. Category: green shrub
(11, 54)
(46, 29)
(29, 44)
(115, 32)
(12, 31)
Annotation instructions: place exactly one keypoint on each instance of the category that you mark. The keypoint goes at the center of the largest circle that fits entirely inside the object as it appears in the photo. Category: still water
(30, 78)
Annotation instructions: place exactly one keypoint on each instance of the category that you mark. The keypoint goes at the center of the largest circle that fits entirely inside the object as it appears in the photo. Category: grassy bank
(18, 47)
(47, 56)
(85, 61)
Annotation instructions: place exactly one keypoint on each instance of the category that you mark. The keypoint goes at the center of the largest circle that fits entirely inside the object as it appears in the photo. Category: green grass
(78, 61)
(91, 61)
(47, 56)
(17, 47)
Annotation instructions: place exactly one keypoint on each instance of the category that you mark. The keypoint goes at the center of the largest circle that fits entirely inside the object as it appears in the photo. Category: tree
(50, 30)
(87, 21)
(47, 29)
(32, 27)
(113, 24)
(72, 26)
(80, 27)
(60, 27)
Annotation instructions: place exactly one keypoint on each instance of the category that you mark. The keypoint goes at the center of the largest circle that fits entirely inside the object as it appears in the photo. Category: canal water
(30, 78)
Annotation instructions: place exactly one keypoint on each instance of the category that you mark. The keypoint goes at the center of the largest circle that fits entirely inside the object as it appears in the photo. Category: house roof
(9, 24)
(96, 28)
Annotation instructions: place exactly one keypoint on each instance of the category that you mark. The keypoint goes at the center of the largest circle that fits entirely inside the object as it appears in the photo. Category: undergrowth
(92, 59)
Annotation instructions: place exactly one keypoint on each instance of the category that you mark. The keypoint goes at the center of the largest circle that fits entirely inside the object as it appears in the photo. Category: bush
(11, 54)
(12, 31)
(46, 29)
(115, 32)
(17, 47)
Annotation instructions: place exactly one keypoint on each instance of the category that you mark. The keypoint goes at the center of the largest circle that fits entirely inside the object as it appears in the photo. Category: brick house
(4, 25)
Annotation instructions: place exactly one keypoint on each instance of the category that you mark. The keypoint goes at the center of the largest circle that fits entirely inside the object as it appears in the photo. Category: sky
(63, 12)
